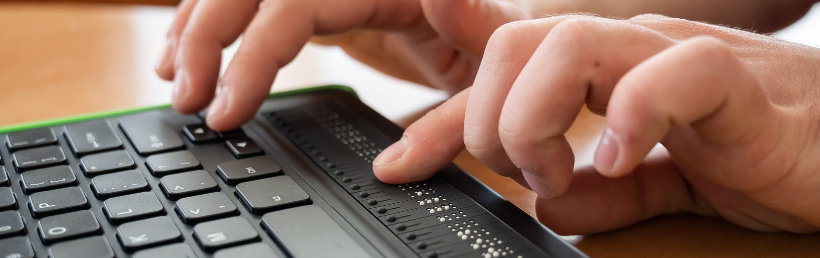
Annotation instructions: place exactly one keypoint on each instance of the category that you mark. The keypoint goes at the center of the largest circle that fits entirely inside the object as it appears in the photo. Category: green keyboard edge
(103, 114)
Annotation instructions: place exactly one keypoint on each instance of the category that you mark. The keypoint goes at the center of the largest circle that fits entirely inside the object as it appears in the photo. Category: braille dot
(364, 194)
(391, 218)
(421, 246)
(330, 165)
(338, 172)
(432, 255)
(410, 236)
(381, 210)
(401, 227)
(355, 186)
(347, 179)
(322, 158)
(372, 202)
(315, 152)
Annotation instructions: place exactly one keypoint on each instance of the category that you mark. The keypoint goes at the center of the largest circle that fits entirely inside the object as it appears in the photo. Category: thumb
(476, 22)
(427, 145)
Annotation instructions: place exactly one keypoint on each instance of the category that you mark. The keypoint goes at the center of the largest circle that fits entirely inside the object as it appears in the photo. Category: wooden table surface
(67, 59)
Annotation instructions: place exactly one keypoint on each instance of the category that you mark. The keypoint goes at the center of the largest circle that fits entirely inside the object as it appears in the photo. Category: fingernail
(181, 86)
(541, 188)
(165, 58)
(219, 107)
(607, 152)
(392, 154)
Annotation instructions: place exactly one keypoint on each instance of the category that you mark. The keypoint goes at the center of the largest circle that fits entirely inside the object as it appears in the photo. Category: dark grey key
(16, 247)
(147, 233)
(68, 226)
(163, 164)
(115, 184)
(92, 136)
(4, 177)
(47, 178)
(168, 251)
(255, 250)
(131, 207)
(199, 133)
(106, 162)
(38, 157)
(236, 171)
(150, 134)
(187, 184)
(11, 224)
(242, 147)
(90, 247)
(308, 231)
(30, 138)
(7, 199)
(57, 201)
(227, 232)
(232, 133)
(270, 193)
(205, 207)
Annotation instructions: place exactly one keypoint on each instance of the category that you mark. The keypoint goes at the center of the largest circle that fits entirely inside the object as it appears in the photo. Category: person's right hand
(442, 40)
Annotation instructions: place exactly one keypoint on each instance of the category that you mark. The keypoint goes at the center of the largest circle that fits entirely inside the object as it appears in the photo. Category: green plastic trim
(122, 112)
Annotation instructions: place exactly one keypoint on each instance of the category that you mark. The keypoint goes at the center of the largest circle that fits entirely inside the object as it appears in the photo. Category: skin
(737, 146)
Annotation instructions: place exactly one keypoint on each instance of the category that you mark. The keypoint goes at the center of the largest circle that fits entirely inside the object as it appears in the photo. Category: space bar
(308, 231)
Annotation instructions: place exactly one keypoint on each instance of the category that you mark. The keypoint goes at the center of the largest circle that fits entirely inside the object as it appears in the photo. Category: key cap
(16, 247)
(90, 247)
(187, 184)
(147, 233)
(224, 233)
(163, 164)
(169, 251)
(68, 226)
(106, 162)
(233, 172)
(255, 250)
(30, 138)
(150, 135)
(205, 207)
(232, 133)
(92, 136)
(131, 207)
(7, 199)
(4, 177)
(120, 183)
(270, 193)
(38, 157)
(47, 178)
(57, 201)
(242, 147)
(11, 224)
(199, 133)
(308, 231)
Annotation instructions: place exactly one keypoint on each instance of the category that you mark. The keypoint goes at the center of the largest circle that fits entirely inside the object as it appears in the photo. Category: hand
(419, 34)
(735, 111)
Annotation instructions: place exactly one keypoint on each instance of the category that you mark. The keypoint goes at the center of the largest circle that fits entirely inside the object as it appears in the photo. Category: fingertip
(165, 64)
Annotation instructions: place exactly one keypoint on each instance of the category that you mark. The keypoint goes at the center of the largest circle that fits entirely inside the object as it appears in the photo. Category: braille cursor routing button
(147, 233)
(92, 136)
(150, 134)
(233, 172)
(270, 193)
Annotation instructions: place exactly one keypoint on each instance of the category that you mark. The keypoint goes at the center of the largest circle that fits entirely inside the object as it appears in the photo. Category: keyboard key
(168, 251)
(57, 201)
(92, 136)
(224, 232)
(270, 193)
(38, 157)
(30, 138)
(242, 147)
(120, 183)
(11, 224)
(199, 133)
(4, 177)
(47, 178)
(68, 226)
(308, 231)
(7, 199)
(106, 162)
(16, 247)
(91, 247)
(187, 184)
(205, 207)
(150, 135)
(131, 207)
(255, 250)
(148, 233)
(163, 164)
(232, 133)
(233, 172)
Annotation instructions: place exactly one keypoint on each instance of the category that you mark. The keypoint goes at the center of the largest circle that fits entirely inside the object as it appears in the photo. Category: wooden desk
(58, 60)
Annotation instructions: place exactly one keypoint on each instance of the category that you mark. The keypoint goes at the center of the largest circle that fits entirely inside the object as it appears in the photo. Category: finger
(477, 20)
(213, 25)
(427, 145)
(276, 35)
(165, 65)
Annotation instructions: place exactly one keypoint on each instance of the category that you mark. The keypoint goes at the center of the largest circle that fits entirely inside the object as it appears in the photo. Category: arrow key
(242, 147)
(187, 184)
(205, 207)
(199, 133)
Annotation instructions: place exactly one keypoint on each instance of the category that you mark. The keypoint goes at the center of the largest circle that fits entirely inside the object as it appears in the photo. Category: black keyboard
(295, 182)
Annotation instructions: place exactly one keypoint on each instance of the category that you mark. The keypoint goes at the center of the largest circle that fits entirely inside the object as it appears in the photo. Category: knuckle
(509, 34)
